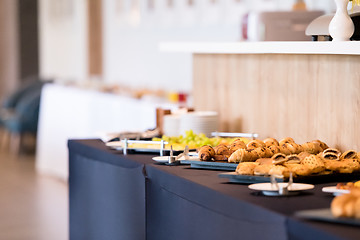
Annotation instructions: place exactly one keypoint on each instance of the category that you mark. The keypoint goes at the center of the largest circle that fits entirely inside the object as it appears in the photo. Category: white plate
(334, 190)
(165, 159)
(268, 190)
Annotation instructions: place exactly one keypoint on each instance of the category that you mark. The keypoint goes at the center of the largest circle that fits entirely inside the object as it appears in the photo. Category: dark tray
(223, 166)
(233, 177)
(325, 215)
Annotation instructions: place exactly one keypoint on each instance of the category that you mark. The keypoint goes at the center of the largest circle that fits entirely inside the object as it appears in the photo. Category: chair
(19, 114)
(24, 119)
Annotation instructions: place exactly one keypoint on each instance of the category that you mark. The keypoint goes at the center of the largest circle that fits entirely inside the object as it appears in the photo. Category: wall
(63, 39)
(132, 31)
(8, 46)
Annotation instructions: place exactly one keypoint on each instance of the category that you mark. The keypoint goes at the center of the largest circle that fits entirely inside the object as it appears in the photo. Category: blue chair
(21, 115)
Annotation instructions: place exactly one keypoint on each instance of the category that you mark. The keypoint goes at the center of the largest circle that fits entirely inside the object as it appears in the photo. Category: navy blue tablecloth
(131, 197)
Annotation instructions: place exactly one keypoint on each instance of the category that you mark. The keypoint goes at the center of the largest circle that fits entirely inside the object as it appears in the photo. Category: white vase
(341, 27)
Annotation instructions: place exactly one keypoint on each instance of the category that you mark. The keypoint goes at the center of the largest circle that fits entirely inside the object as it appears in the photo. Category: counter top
(332, 48)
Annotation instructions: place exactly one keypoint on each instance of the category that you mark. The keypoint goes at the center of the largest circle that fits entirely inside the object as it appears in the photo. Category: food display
(348, 185)
(347, 205)
(195, 141)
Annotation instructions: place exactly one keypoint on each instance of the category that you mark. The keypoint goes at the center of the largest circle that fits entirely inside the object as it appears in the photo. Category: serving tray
(233, 177)
(324, 214)
(224, 166)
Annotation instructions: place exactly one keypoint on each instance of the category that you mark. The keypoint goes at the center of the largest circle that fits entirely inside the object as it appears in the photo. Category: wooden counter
(305, 90)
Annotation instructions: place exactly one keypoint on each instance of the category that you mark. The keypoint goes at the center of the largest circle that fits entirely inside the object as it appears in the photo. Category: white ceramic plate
(165, 159)
(268, 190)
(334, 190)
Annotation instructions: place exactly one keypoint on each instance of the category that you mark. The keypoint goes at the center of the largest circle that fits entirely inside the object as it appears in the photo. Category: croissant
(243, 155)
(270, 141)
(237, 144)
(255, 144)
(322, 144)
(286, 140)
(274, 149)
(284, 149)
(303, 155)
(206, 153)
(312, 147)
(347, 205)
(222, 149)
(263, 152)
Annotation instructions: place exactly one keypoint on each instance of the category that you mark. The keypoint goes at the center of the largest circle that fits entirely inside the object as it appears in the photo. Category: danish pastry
(278, 158)
(332, 150)
(293, 159)
(315, 163)
(350, 154)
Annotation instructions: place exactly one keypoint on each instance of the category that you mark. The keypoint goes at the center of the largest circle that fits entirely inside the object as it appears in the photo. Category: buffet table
(113, 196)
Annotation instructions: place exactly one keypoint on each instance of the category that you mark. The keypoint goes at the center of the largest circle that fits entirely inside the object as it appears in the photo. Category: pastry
(350, 154)
(262, 161)
(243, 155)
(222, 149)
(284, 149)
(315, 163)
(279, 171)
(263, 152)
(303, 155)
(293, 159)
(286, 140)
(246, 168)
(312, 147)
(219, 157)
(322, 144)
(270, 141)
(298, 169)
(347, 205)
(278, 158)
(330, 156)
(255, 144)
(206, 153)
(237, 144)
(263, 170)
(274, 149)
(332, 150)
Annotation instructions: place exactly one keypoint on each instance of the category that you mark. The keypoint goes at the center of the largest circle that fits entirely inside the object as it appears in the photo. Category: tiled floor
(32, 206)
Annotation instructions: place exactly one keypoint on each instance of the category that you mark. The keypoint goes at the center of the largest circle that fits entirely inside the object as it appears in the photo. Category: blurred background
(89, 61)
